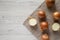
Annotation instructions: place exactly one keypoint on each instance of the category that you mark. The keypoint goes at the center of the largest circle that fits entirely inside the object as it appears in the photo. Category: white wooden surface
(12, 15)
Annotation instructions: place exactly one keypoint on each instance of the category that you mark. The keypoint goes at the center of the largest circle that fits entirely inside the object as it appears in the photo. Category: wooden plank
(12, 15)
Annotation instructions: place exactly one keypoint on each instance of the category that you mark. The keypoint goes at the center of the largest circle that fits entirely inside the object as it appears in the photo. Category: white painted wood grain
(12, 15)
